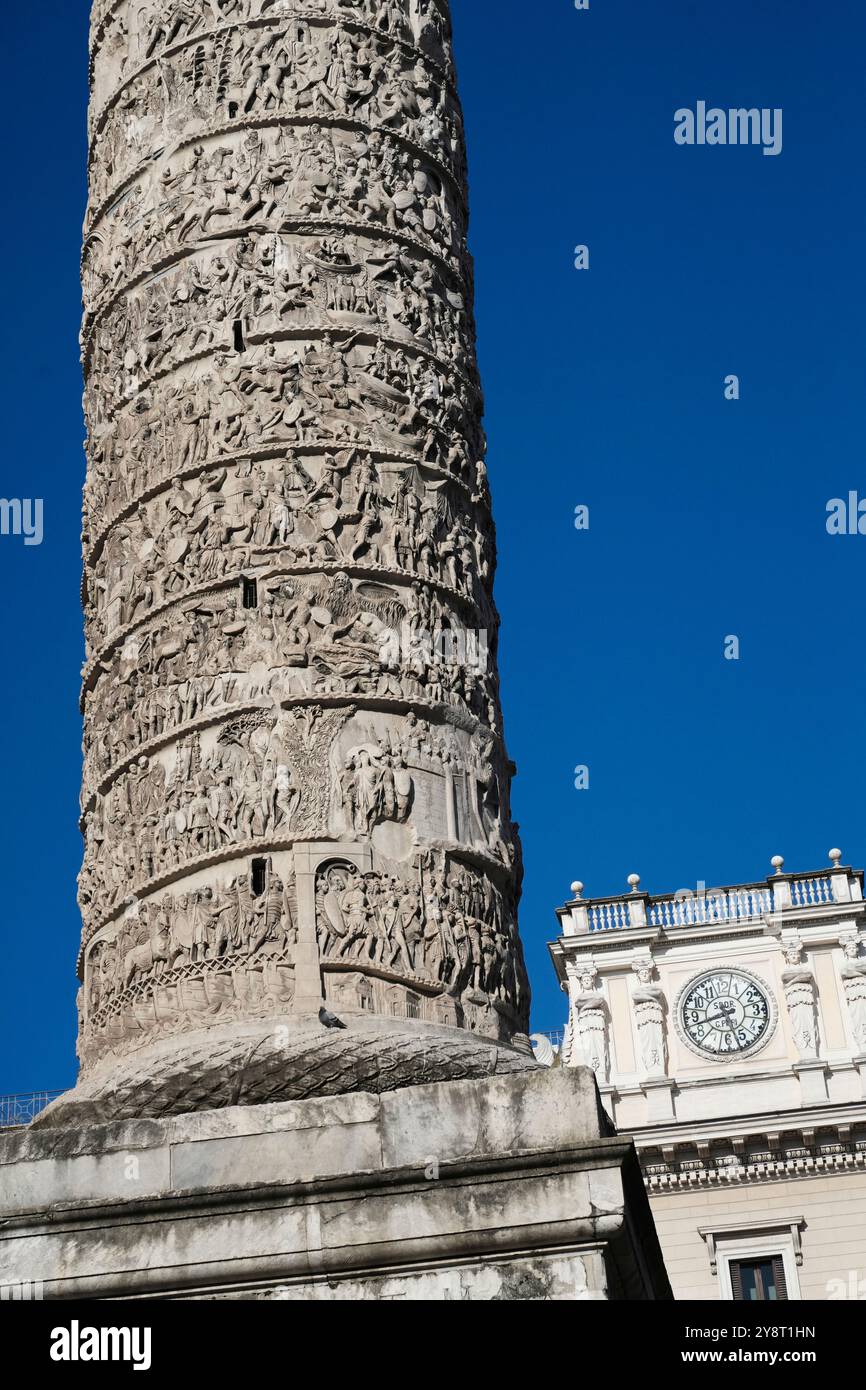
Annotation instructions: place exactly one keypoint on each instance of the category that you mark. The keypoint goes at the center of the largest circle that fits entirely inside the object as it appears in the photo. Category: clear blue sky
(603, 388)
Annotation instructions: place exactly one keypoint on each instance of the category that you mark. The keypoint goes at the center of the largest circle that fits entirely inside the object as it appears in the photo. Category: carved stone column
(294, 756)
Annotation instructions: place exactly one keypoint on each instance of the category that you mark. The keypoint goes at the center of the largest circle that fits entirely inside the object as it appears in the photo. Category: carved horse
(141, 959)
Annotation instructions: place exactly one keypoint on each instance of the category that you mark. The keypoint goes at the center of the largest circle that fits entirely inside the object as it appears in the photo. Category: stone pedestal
(511, 1188)
(813, 1081)
(659, 1092)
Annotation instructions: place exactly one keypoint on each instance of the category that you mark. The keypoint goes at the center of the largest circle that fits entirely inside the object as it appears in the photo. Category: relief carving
(295, 782)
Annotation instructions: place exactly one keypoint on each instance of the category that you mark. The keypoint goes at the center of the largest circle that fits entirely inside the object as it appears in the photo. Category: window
(259, 877)
(251, 593)
(759, 1281)
(757, 1263)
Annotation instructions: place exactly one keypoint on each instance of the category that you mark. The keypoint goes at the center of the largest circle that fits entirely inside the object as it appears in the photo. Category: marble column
(296, 789)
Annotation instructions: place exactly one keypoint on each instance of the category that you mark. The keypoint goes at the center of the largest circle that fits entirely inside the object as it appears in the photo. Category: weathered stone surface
(520, 1192)
(296, 788)
(253, 1063)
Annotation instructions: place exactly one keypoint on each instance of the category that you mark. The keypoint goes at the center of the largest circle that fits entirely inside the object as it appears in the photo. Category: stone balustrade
(780, 893)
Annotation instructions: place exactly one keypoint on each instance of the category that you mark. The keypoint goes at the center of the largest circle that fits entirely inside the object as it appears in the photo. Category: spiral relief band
(296, 791)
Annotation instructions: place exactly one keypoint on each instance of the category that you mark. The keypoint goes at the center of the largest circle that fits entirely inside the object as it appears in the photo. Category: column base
(284, 1058)
(508, 1189)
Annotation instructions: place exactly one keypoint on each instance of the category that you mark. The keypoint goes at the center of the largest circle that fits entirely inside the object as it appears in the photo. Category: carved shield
(334, 913)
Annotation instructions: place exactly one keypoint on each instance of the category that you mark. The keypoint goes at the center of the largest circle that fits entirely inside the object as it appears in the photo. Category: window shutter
(736, 1280)
(779, 1277)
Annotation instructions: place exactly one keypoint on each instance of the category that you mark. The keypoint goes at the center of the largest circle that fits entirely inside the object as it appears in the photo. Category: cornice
(745, 1150)
(756, 1122)
(691, 1174)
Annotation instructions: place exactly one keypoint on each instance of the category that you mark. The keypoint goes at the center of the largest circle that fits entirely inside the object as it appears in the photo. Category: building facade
(727, 1032)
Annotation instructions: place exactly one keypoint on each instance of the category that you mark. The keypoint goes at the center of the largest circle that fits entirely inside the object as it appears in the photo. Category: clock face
(725, 1014)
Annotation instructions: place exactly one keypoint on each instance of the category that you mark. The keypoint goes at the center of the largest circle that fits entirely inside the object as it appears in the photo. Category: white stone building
(727, 1031)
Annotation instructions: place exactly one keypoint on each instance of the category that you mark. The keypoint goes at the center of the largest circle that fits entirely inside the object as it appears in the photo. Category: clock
(725, 1013)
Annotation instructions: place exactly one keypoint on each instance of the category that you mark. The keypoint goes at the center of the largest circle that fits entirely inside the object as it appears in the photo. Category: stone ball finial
(634, 882)
(778, 863)
(835, 857)
(577, 889)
